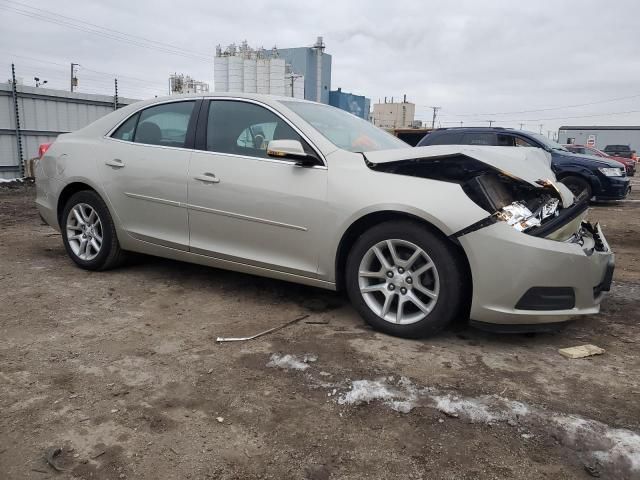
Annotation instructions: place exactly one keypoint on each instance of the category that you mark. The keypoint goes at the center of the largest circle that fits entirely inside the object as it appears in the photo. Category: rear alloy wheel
(88, 232)
(405, 280)
(84, 232)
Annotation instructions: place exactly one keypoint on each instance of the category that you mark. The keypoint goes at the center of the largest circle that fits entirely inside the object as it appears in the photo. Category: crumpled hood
(528, 164)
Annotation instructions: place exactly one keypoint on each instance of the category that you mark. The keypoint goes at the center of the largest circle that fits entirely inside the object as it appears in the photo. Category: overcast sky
(482, 58)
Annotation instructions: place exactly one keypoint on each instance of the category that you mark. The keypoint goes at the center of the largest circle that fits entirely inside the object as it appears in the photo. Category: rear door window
(479, 138)
(443, 138)
(164, 124)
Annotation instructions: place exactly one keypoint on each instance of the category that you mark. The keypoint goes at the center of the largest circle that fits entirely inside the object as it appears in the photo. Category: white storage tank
(262, 75)
(298, 86)
(276, 76)
(236, 74)
(221, 74)
(250, 72)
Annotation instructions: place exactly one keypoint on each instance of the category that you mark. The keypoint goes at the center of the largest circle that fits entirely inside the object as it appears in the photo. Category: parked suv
(619, 151)
(629, 163)
(585, 175)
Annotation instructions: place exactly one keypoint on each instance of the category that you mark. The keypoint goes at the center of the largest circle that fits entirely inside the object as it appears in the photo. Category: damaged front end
(536, 206)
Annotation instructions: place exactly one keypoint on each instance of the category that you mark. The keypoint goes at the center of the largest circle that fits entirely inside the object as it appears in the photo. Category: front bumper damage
(521, 279)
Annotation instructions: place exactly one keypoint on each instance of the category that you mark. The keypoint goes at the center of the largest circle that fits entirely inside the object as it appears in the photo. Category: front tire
(580, 187)
(88, 232)
(405, 280)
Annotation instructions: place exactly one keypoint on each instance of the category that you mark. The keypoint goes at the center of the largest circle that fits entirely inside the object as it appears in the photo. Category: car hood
(527, 164)
(592, 160)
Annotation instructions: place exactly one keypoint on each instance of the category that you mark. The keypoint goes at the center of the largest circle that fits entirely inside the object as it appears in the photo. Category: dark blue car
(584, 175)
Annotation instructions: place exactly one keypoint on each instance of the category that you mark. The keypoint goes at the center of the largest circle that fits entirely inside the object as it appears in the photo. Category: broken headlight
(520, 216)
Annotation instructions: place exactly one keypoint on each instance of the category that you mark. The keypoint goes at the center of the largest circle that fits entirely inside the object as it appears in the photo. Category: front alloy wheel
(398, 281)
(406, 279)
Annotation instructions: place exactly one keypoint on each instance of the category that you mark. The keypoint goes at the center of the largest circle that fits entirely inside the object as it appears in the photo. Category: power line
(118, 32)
(104, 34)
(64, 65)
(545, 109)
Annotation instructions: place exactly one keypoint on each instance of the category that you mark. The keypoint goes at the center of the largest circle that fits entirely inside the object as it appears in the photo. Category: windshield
(550, 144)
(345, 130)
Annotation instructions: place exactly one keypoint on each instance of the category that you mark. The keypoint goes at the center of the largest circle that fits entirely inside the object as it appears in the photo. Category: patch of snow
(401, 397)
(287, 362)
(366, 391)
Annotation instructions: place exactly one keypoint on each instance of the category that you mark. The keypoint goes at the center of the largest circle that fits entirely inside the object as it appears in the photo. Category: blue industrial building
(314, 64)
(356, 104)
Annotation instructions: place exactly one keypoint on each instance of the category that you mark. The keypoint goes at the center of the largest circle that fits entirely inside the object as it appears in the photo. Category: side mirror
(291, 149)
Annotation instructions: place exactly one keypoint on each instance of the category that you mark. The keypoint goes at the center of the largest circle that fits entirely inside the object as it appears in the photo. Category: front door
(247, 207)
(144, 168)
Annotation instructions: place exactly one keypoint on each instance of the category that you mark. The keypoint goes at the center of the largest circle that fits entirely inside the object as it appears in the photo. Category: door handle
(116, 163)
(208, 178)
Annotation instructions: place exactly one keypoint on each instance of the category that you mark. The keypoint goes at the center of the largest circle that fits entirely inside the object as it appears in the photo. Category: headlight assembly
(611, 172)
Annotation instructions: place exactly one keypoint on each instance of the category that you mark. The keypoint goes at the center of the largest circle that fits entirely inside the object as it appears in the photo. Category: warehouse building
(394, 114)
(601, 136)
(358, 105)
(314, 65)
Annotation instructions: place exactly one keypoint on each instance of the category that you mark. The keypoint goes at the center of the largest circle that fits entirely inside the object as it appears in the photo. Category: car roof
(482, 129)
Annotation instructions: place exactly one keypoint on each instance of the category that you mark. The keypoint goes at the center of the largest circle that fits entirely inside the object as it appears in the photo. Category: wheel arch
(369, 220)
(583, 173)
(67, 192)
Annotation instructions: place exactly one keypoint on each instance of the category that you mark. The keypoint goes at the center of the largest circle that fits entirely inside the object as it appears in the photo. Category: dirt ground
(122, 372)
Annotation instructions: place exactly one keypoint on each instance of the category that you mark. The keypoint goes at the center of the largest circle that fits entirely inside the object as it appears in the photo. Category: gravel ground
(121, 371)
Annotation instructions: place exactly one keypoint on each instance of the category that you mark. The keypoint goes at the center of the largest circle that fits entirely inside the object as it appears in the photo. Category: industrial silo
(250, 78)
(276, 76)
(262, 75)
(236, 74)
(221, 74)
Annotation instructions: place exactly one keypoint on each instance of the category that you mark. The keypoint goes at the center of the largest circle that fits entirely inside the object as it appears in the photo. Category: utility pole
(435, 113)
(521, 126)
(74, 80)
(541, 125)
(14, 93)
(490, 122)
(115, 94)
(461, 123)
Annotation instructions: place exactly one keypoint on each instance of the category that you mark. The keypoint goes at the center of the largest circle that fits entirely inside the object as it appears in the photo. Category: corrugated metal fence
(44, 114)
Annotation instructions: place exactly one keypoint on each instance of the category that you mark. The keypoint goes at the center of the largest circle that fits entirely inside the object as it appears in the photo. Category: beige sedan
(308, 193)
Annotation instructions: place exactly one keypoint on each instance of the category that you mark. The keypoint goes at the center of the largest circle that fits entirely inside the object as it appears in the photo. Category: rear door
(144, 172)
(245, 206)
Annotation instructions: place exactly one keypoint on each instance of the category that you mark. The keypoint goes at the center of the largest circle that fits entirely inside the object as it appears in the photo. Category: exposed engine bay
(541, 210)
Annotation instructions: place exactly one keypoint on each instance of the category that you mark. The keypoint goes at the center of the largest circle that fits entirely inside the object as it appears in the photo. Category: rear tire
(88, 232)
(580, 187)
(432, 297)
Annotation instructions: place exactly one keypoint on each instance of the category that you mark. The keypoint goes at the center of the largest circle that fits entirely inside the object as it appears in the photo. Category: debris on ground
(242, 339)
(50, 454)
(581, 351)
